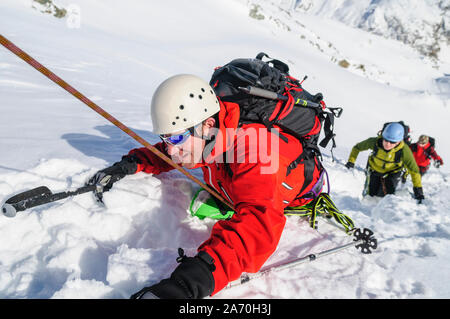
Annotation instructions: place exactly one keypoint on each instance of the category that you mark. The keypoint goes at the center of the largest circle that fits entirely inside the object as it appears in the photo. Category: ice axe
(38, 196)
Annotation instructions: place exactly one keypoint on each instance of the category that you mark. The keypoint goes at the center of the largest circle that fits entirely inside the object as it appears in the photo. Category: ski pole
(52, 76)
(337, 111)
(38, 196)
(363, 239)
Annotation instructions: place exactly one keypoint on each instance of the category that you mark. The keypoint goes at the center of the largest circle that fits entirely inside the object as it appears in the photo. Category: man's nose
(172, 149)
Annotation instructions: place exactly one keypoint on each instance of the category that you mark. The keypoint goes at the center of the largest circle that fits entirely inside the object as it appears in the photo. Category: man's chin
(185, 161)
(187, 165)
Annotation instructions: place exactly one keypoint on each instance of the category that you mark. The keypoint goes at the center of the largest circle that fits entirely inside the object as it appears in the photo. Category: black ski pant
(383, 184)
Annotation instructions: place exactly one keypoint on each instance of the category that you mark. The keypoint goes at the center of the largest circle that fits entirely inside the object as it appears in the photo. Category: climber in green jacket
(389, 157)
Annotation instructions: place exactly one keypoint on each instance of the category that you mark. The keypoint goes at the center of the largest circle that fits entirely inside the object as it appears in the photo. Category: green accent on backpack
(204, 206)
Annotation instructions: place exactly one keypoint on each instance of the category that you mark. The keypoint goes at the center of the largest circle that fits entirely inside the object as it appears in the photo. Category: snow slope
(120, 53)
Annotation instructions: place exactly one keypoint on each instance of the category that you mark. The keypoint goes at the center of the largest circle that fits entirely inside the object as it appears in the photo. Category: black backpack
(406, 136)
(267, 94)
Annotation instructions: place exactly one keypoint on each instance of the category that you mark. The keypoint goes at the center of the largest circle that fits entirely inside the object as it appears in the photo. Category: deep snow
(77, 249)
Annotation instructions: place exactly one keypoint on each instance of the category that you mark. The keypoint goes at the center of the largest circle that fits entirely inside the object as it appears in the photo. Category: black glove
(192, 279)
(350, 165)
(418, 194)
(438, 163)
(105, 178)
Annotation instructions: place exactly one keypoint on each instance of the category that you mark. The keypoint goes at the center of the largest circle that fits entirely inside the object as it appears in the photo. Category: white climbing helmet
(181, 102)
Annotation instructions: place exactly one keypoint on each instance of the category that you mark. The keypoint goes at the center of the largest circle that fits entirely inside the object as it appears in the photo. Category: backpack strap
(283, 67)
(261, 55)
(398, 156)
(329, 130)
(264, 117)
(307, 157)
(309, 152)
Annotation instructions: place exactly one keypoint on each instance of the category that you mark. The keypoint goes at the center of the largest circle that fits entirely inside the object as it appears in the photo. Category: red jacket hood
(226, 134)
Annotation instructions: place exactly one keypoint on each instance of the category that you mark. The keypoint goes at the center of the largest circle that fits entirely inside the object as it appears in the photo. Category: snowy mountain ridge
(424, 25)
(313, 23)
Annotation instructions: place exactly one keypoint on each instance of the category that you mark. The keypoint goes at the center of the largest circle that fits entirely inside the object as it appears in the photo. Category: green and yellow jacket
(386, 162)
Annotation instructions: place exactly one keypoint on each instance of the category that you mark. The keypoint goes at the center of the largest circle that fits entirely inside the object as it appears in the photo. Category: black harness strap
(328, 130)
(307, 157)
(269, 125)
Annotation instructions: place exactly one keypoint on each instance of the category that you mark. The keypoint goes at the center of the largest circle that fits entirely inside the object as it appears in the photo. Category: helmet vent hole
(206, 110)
(181, 107)
(203, 90)
(173, 123)
(177, 117)
(191, 95)
(200, 97)
(184, 119)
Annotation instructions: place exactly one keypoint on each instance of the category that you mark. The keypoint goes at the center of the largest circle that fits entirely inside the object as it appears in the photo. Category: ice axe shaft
(38, 196)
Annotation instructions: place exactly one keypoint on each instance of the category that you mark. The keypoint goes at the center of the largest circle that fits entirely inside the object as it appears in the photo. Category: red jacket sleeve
(149, 162)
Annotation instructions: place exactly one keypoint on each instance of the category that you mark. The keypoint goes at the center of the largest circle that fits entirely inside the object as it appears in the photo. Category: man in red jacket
(199, 130)
(423, 152)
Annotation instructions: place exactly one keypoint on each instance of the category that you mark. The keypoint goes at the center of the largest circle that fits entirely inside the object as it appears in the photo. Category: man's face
(188, 153)
(387, 145)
